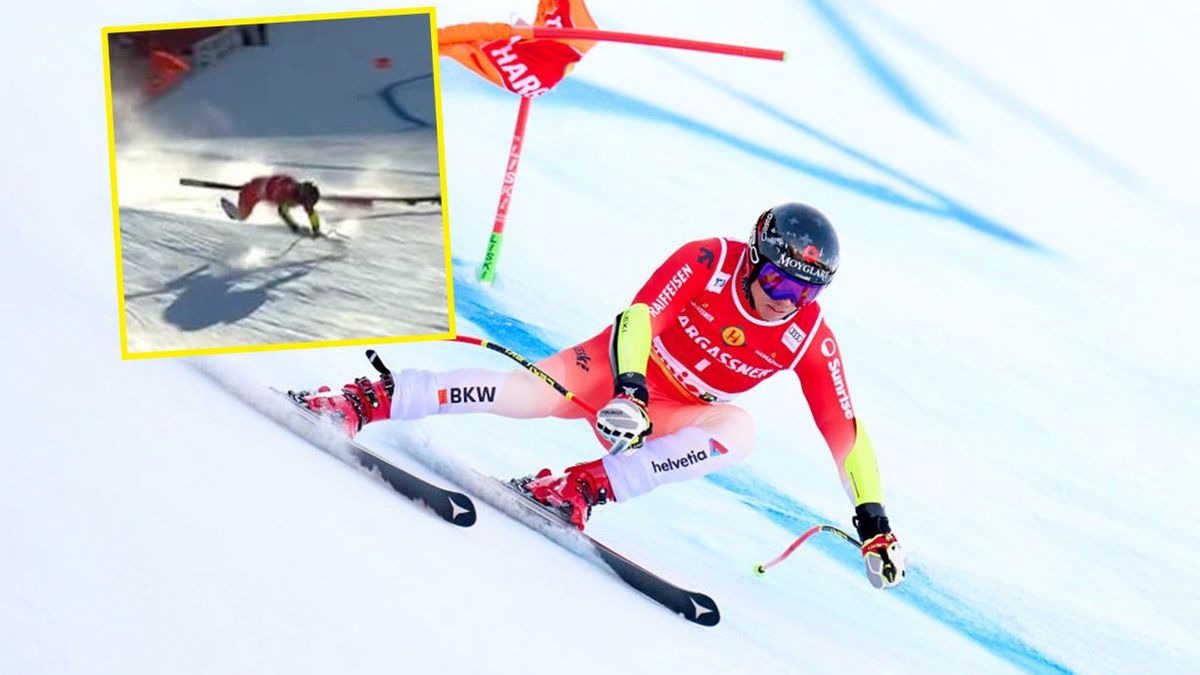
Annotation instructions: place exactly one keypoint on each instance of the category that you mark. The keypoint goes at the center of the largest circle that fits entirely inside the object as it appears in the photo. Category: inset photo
(278, 183)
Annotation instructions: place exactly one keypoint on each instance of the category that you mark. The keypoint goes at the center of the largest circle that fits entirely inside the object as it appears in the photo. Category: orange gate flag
(529, 67)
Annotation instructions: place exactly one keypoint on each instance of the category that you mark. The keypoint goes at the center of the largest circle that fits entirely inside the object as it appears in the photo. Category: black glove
(881, 552)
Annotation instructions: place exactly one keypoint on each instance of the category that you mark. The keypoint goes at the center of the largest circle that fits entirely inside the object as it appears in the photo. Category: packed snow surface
(1014, 189)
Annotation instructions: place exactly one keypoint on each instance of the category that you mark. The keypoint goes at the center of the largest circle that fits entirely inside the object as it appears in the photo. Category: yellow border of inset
(431, 12)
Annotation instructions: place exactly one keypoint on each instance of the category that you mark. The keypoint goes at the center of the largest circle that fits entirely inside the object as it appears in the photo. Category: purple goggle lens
(780, 286)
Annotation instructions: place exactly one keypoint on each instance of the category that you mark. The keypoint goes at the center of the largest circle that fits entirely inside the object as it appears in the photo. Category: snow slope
(310, 105)
(1012, 306)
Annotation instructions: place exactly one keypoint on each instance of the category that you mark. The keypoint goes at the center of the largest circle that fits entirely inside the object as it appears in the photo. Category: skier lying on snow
(716, 319)
(283, 191)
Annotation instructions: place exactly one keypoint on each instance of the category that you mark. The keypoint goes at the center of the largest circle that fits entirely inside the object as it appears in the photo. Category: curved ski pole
(618, 447)
(761, 569)
(529, 365)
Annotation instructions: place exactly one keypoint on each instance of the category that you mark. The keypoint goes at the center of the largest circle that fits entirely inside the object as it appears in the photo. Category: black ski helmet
(309, 194)
(797, 239)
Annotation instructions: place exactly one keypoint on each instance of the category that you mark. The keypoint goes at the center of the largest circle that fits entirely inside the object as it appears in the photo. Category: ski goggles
(779, 285)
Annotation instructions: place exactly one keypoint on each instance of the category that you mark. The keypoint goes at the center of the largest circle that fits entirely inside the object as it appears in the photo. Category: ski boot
(358, 403)
(574, 493)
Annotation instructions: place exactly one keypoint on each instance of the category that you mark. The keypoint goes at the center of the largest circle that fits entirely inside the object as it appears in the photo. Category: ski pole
(195, 182)
(529, 365)
(619, 446)
(761, 569)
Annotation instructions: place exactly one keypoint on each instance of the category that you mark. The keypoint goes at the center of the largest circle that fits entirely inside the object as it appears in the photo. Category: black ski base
(695, 607)
(455, 508)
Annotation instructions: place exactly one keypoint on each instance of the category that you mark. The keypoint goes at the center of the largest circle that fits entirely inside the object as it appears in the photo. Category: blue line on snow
(1014, 105)
(919, 590)
(889, 80)
(388, 94)
(950, 207)
(472, 302)
(594, 98)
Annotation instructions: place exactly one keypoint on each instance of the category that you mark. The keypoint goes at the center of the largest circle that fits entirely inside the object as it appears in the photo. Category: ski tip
(759, 570)
(704, 610)
(462, 510)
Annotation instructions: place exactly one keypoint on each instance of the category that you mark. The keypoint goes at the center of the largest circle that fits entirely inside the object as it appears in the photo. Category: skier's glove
(882, 556)
(623, 423)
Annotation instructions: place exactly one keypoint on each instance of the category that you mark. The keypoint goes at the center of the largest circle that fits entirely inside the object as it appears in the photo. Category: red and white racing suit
(707, 347)
(271, 189)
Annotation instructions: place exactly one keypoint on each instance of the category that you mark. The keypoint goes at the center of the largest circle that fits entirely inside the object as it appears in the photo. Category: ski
(693, 606)
(455, 508)
(296, 236)
(509, 497)
(368, 202)
(229, 209)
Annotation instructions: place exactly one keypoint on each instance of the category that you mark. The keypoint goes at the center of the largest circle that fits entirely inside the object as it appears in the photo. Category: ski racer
(713, 321)
(283, 191)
